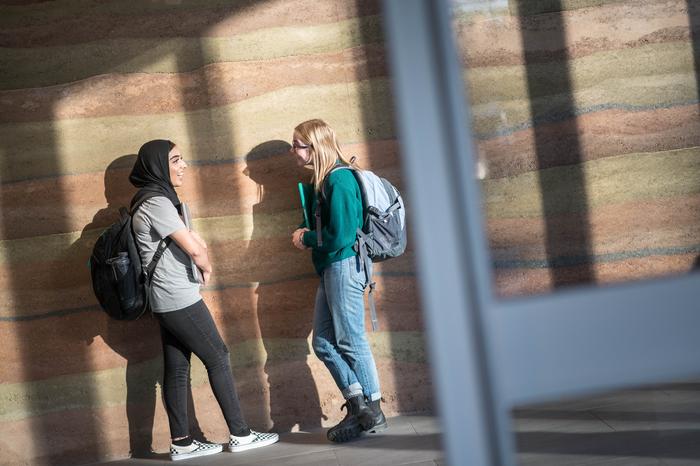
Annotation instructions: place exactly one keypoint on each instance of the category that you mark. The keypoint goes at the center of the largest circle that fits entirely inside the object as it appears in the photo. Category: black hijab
(151, 173)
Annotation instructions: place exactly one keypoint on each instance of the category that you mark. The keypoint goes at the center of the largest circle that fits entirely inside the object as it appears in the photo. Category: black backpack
(383, 232)
(120, 283)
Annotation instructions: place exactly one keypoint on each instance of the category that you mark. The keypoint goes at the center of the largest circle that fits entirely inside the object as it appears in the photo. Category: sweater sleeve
(340, 231)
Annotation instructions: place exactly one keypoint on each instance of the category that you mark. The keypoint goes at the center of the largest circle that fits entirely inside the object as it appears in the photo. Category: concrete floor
(656, 426)
(411, 440)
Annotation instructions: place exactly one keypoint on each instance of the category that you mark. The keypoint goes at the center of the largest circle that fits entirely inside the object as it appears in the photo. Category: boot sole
(345, 434)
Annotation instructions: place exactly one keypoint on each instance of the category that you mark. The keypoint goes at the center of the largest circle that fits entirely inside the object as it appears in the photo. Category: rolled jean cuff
(375, 396)
(353, 390)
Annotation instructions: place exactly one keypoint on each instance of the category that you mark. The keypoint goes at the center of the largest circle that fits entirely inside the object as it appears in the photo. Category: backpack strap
(160, 250)
(162, 246)
(317, 216)
(367, 262)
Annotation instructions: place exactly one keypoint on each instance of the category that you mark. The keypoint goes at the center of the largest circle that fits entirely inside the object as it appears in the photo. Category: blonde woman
(339, 337)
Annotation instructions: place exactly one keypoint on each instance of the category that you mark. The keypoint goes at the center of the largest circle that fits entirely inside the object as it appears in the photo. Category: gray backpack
(383, 232)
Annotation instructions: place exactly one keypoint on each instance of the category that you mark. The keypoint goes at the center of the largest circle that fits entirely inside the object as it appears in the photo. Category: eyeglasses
(299, 146)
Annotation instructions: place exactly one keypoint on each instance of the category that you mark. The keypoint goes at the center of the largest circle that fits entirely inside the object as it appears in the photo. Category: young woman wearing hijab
(185, 322)
(339, 337)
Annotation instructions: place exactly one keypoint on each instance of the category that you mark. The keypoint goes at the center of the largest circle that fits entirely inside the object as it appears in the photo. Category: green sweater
(341, 216)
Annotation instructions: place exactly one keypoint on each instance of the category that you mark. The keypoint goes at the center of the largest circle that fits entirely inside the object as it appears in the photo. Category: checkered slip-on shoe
(254, 440)
(194, 450)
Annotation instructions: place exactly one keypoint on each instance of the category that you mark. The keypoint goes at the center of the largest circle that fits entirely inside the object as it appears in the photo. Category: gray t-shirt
(173, 286)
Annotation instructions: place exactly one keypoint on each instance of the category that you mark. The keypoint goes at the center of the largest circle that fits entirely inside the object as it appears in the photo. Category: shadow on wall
(398, 307)
(286, 286)
(564, 201)
(138, 342)
(694, 24)
(211, 132)
(44, 319)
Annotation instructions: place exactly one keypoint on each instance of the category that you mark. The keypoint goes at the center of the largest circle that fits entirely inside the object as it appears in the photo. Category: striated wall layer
(82, 85)
(586, 119)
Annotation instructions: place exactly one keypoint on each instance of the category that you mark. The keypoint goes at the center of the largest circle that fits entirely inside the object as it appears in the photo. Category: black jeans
(192, 330)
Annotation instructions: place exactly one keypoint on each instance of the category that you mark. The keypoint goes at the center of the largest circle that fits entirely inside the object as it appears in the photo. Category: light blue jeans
(339, 337)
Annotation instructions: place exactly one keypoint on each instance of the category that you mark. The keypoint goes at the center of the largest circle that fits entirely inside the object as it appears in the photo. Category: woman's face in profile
(301, 151)
(177, 167)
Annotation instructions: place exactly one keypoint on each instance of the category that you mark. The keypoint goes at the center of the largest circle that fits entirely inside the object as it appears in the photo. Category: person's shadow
(286, 287)
(138, 342)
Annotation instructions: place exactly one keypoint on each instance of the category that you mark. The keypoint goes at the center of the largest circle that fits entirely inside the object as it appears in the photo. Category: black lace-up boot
(358, 416)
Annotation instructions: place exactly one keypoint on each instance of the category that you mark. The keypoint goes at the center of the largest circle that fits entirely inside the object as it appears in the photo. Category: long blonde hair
(323, 147)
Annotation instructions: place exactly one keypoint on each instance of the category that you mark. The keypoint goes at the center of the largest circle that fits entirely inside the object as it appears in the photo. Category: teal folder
(303, 205)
